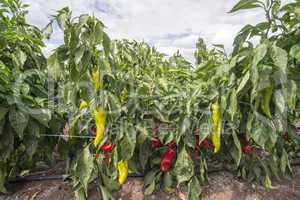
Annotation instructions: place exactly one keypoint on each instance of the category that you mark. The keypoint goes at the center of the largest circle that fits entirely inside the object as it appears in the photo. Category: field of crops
(113, 108)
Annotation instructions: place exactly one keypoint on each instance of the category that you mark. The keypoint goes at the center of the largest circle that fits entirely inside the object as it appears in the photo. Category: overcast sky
(169, 25)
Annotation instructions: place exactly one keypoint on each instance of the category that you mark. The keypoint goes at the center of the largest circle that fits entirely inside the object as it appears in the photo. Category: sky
(169, 25)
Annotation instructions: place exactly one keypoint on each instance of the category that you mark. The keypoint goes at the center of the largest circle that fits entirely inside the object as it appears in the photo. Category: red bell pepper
(107, 147)
(166, 160)
(155, 143)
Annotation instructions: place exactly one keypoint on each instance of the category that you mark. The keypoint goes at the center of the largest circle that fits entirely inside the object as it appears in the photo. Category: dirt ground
(222, 186)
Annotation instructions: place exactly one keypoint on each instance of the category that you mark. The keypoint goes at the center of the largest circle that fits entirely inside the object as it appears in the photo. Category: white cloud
(168, 24)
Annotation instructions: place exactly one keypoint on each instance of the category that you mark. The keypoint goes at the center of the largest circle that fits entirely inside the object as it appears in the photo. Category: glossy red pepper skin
(167, 159)
(156, 143)
(107, 148)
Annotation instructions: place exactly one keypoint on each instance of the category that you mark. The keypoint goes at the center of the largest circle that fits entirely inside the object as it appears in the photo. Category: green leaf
(284, 161)
(54, 66)
(245, 4)
(279, 101)
(150, 176)
(238, 153)
(2, 123)
(110, 184)
(47, 31)
(3, 175)
(79, 194)
(106, 195)
(259, 53)
(280, 57)
(34, 127)
(127, 146)
(204, 129)
(194, 189)
(78, 55)
(243, 82)
(106, 44)
(41, 115)
(145, 152)
(150, 188)
(18, 120)
(3, 112)
(295, 52)
(233, 105)
(184, 167)
(263, 132)
(19, 58)
(62, 18)
(84, 167)
(185, 126)
(7, 139)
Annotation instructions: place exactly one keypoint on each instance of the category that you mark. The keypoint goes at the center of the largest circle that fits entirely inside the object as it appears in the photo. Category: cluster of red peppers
(168, 156)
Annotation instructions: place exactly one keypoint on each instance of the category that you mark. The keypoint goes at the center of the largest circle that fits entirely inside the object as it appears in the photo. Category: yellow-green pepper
(265, 104)
(123, 171)
(216, 126)
(99, 116)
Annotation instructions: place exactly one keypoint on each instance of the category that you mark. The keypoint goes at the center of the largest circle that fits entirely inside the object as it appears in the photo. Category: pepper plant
(24, 106)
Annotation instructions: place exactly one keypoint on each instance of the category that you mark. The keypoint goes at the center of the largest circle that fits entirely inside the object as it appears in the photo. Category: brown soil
(223, 186)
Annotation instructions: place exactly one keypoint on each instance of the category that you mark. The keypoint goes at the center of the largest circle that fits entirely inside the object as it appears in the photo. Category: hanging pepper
(83, 105)
(96, 79)
(123, 171)
(99, 116)
(155, 143)
(265, 105)
(216, 126)
(167, 159)
(107, 147)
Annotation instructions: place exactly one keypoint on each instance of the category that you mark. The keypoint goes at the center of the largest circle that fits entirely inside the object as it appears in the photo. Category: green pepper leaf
(194, 189)
(18, 120)
(184, 167)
